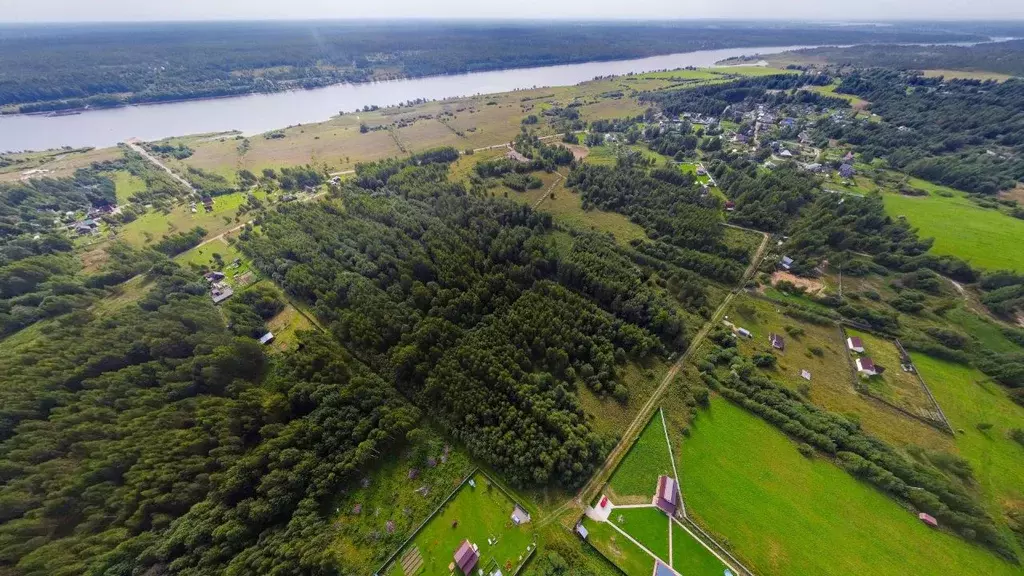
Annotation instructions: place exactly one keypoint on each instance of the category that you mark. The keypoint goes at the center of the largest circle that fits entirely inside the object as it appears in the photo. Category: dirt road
(134, 145)
(598, 480)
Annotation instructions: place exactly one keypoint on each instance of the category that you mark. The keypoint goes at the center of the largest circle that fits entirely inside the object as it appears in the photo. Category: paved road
(589, 490)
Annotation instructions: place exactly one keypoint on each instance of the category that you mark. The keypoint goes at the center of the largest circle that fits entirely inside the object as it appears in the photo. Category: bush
(806, 450)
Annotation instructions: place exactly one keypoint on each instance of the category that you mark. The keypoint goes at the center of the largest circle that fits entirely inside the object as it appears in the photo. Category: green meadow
(983, 237)
(636, 478)
(649, 526)
(785, 514)
(626, 555)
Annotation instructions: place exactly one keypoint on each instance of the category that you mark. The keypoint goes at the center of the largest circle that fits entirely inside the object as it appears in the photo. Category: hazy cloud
(130, 10)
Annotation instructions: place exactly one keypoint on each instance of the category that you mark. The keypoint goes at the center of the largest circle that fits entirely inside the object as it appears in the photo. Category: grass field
(985, 238)
(629, 557)
(968, 399)
(831, 385)
(54, 163)
(607, 416)
(478, 514)
(153, 225)
(649, 526)
(967, 74)
(567, 208)
(690, 558)
(285, 325)
(636, 478)
(786, 514)
(127, 185)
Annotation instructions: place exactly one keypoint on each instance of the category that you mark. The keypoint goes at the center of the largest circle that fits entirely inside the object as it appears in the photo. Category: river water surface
(257, 113)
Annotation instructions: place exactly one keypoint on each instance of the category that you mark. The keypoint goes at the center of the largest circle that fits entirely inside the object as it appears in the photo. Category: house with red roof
(667, 495)
(866, 367)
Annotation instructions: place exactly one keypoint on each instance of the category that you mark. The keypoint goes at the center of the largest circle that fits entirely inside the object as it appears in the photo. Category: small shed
(805, 375)
(582, 530)
(730, 205)
(928, 519)
(855, 344)
(744, 332)
(520, 516)
(786, 263)
(777, 342)
(267, 338)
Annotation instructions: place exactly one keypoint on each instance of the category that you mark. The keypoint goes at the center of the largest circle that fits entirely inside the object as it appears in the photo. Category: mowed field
(786, 514)
(636, 478)
(985, 238)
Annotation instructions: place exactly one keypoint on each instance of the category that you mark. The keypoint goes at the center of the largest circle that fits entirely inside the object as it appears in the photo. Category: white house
(855, 344)
(866, 367)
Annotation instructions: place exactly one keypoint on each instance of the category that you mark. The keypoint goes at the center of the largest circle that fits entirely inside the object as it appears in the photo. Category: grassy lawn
(830, 90)
(632, 560)
(127, 185)
(478, 514)
(636, 478)
(831, 384)
(285, 325)
(648, 526)
(984, 238)
(785, 514)
(362, 541)
(969, 398)
(691, 558)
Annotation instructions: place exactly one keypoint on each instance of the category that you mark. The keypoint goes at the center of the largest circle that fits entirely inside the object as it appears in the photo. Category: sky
(143, 10)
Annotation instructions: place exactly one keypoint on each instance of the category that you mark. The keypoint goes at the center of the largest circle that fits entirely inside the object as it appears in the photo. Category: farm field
(747, 483)
(636, 478)
(984, 238)
(821, 351)
(480, 514)
(127, 185)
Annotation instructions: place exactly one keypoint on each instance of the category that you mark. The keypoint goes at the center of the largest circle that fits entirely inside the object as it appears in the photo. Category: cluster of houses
(219, 289)
(91, 223)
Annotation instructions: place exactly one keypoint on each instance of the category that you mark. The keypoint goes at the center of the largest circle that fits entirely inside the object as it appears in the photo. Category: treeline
(1002, 57)
(863, 456)
(96, 65)
(774, 90)
(926, 134)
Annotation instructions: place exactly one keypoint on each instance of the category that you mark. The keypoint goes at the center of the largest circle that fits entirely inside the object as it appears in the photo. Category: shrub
(806, 450)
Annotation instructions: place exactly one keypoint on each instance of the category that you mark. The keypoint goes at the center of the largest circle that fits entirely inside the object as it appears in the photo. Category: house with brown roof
(855, 344)
(466, 557)
(666, 497)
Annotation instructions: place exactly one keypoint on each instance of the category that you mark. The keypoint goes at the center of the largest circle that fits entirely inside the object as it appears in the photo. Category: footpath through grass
(785, 514)
(691, 558)
(627, 556)
(649, 526)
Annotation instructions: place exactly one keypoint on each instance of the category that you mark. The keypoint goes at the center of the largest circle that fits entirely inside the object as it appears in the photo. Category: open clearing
(649, 526)
(821, 351)
(983, 237)
(480, 514)
(629, 557)
(894, 385)
(636, 478)
(786, 514)
(968, 399)
(968, 75)
(153, 225)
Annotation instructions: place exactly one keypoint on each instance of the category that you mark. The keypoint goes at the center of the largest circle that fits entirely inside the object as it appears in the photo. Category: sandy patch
(1014, 194)
(578, 152)
(811, 286)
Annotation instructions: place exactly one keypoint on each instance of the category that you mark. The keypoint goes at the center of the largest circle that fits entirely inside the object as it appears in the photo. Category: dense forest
(1003, 57)
(60, 67)
(966, 134)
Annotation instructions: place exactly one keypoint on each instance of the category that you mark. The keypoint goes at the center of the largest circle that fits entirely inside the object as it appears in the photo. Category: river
(257, 113)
